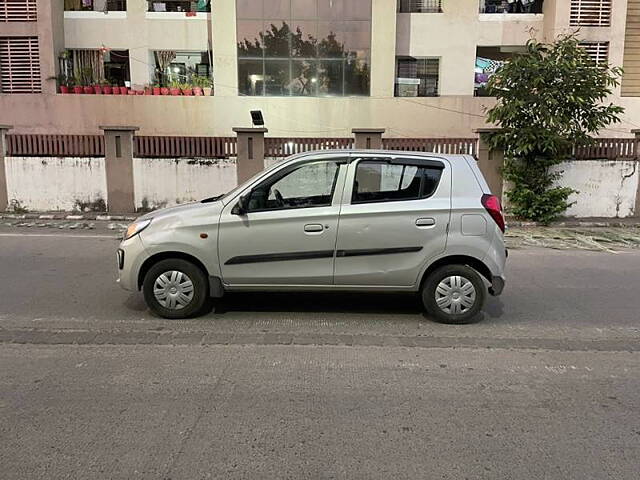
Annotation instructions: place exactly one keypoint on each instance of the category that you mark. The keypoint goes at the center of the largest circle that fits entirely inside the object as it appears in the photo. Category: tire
(463, 300)
(176, 288)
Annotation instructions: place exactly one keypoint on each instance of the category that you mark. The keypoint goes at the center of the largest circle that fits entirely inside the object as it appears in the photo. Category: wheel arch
(153, 259)
(472, 262)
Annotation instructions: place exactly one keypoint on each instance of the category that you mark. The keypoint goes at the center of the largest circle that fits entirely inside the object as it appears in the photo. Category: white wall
(50, 183)
(160, 182)
(606, 188)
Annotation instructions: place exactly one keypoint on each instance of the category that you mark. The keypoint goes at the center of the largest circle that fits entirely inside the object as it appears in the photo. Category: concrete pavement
(546, 386)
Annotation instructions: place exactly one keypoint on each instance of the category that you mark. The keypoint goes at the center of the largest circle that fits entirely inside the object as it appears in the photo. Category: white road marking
(56, 235)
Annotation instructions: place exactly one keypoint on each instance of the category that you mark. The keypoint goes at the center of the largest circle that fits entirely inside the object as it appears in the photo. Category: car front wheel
(176, 288)
(454, 294)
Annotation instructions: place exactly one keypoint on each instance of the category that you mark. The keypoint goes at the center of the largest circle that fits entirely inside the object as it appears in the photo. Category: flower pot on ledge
(164, 91)
(88, 90)
(124, 90)
(187, 92)
(157, 90)
(78, 90)
(64, 89)
(97, 89)
(207, 91)
(197, 91)
(107, 90)
(175, 92)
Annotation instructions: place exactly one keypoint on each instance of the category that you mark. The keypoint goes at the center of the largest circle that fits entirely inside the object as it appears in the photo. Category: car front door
(394, 218)
(287, 234)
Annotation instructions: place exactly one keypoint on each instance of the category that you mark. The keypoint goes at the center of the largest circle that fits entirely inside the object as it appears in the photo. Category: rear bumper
(497, 285)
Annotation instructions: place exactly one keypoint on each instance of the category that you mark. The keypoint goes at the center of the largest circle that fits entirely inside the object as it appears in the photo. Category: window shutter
(18, 11)
(598, 51)
(20, 65)
(590, 13)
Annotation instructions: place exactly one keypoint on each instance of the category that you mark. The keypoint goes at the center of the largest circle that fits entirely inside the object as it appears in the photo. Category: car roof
(369, 153)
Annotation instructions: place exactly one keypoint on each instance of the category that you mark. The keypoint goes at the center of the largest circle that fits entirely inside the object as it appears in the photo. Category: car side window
(310, 185)
(383, 181)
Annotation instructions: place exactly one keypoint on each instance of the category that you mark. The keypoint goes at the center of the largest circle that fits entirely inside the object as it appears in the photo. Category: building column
(4, 196)
(383, 47)
(368, 138)
(118, 152)
(636, 210)
(490, 161)
(250, 152)
(225, 48)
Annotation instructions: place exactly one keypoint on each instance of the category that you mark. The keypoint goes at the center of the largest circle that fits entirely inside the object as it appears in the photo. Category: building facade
(315, 68)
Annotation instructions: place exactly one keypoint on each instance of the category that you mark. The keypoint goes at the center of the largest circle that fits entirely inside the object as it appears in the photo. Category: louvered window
(18, 11)
(590, 13)
(598, 51)
(20, 65)
(420, 6)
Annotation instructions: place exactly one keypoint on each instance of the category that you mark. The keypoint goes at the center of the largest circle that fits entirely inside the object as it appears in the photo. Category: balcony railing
(517, 6)
(95, 6)
(186, 6)
(420, 6)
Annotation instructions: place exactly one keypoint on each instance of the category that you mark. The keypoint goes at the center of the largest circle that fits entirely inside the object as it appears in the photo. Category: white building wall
(160, 182)
(53, 183)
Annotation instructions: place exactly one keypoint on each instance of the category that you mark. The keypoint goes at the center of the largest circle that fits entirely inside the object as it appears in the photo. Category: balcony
(95, 9)
(420, 6)
(511, 6)
(185, 7)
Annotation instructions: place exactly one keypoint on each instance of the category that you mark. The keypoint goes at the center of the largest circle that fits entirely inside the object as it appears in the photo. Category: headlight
(136, 228)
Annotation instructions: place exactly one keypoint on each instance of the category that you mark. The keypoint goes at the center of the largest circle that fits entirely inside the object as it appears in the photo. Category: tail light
(492, 204)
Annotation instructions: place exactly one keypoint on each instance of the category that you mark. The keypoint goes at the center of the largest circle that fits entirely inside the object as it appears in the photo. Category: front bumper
(497, 285)
(130, 256)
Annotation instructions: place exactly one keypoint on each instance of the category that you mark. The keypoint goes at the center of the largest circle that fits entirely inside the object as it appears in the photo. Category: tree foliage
(550, 98)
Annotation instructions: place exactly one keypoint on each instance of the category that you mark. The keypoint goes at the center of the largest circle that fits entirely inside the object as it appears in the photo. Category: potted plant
(124, 90)
(64, 82)
(148, 90)
(175, 88)
(77, 84)
(164, 90)
(106, 88)
(86, 75)
(97, 89)
(157, 90)
(202, 86)
(116, 89)
(187, 89)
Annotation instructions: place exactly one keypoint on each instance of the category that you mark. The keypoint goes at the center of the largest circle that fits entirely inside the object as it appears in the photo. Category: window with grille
(598, 51)
(20, 65)
(420, 6)
(18, 11)
(590, 13)
(417, 77)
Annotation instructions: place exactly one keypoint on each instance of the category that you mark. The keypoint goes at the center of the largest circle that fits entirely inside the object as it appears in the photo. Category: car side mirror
(242, 207)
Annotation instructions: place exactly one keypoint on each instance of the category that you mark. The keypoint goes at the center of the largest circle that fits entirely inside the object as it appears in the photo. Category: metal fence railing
(283, 147)
(33, 145)
(421, 6)
(452, 146)
(170, 147)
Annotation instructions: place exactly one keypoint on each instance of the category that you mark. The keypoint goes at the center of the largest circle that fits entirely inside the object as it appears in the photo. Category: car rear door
(394, 218)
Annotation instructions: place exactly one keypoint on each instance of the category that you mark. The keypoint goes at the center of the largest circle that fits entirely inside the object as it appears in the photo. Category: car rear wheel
(454, 294)
(176, 288)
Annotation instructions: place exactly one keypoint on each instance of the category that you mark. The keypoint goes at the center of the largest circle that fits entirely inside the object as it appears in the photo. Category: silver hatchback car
(376, 221)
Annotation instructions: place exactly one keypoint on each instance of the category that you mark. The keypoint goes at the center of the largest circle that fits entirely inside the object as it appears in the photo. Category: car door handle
(313, 228)
(425, 222)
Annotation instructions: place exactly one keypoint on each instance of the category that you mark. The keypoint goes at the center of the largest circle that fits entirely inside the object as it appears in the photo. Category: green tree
(549, 99)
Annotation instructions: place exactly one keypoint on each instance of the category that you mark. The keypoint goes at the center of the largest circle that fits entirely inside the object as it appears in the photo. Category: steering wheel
(278, 196)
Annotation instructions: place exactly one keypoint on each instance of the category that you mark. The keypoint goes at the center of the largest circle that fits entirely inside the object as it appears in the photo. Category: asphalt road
(547, 385)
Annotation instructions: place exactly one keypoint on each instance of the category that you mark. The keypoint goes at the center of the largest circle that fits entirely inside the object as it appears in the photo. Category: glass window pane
(357, 36)
(250, 38)
(357, 10)
(304, 9)
(330, 40)
(249, 9)
(277, 39)
(277, 9)
(356, 77)
(330, 10)
(304, 35)
(330, 77)
(304, 78)
(277, 77)
(250, 77)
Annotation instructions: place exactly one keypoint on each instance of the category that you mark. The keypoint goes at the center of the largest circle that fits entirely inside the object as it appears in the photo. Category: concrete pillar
(118, 150)
(369, 138)
(225, 48)
(490, 162)
(636, 210)
(383, 47)
(4, 197)
(250, 152)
